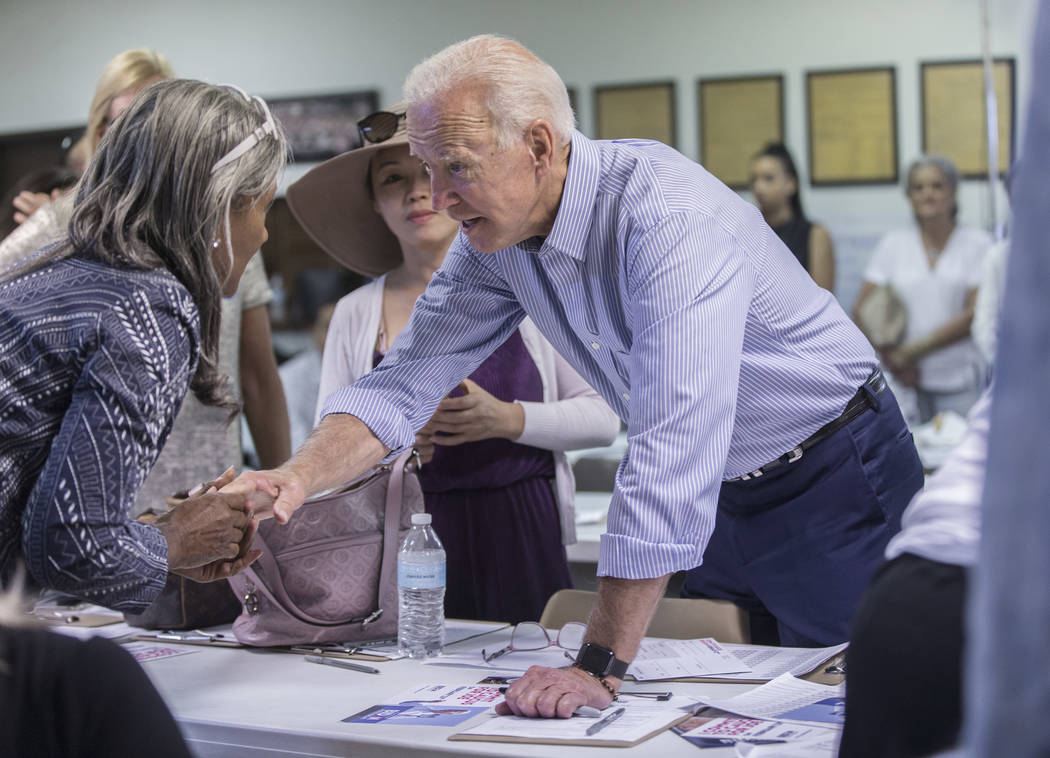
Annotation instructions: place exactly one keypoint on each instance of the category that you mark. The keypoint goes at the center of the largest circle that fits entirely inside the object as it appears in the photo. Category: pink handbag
(330, 573)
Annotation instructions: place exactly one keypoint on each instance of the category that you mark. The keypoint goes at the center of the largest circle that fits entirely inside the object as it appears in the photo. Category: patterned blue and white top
(673, 298)
(94, 364)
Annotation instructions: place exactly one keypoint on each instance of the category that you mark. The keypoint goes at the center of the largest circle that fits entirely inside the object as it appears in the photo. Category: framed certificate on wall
(852, 124)
(954, 117)
(635, 110)
(738, 116)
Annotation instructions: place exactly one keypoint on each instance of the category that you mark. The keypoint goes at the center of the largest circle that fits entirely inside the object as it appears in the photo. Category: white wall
(51, 52)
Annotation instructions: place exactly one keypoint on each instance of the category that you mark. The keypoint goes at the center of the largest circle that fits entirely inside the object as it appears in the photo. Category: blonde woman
(43, 219)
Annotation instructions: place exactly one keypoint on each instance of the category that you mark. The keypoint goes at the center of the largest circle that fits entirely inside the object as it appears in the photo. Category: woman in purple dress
(495, 478)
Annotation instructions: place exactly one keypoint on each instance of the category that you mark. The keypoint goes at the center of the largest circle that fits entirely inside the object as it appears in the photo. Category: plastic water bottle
(421, 591)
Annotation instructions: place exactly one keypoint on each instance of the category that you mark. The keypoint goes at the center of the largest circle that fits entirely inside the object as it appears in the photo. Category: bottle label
(420, 576)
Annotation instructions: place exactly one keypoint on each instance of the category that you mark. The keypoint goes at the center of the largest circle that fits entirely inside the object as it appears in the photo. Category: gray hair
(939, 162)
(942, 164)
(149, 198)
(517, 86)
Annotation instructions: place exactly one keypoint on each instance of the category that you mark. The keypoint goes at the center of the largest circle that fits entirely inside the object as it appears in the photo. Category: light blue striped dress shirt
(680, 306)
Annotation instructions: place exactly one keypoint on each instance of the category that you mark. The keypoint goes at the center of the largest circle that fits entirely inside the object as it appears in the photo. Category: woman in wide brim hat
(496, 442)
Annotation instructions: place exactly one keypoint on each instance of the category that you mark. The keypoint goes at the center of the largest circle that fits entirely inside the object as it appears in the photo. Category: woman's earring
(215, 244)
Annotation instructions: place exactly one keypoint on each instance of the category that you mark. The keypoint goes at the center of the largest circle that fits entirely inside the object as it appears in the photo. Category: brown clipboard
(465, 737)
(816, 674)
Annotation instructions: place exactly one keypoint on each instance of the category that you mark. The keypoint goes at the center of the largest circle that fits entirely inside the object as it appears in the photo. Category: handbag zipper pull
(372, 616)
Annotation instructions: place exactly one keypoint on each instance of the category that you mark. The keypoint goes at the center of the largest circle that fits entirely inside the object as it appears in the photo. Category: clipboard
(193, 637)
(817, 674)
(513, 729)
(75, 618)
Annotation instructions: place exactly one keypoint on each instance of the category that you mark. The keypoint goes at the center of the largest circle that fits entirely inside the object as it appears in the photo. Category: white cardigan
(571, 416)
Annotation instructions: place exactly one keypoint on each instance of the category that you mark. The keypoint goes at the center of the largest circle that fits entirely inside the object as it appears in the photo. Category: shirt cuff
(383, 418)
(153, 571)
(542, 424)
(625, 557)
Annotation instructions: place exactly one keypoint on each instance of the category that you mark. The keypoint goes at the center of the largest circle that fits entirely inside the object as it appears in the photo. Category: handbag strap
(392, 523)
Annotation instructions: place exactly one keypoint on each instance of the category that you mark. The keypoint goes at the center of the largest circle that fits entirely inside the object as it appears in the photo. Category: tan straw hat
(334, 206)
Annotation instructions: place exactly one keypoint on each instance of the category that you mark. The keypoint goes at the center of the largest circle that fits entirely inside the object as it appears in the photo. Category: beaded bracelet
(601, 681)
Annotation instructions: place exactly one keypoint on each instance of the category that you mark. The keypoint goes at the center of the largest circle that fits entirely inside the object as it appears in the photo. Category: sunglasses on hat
(379, 126)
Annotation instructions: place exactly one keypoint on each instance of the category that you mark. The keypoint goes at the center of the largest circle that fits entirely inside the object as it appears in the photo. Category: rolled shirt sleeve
(689, 288)
(465, 313)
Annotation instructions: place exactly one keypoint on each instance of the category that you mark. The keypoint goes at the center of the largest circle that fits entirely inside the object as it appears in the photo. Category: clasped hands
(209, 533)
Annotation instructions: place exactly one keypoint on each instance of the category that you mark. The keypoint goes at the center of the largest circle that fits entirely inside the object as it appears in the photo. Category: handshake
(209, 530)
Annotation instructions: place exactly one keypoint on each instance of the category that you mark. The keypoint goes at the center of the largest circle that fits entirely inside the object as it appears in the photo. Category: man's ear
(540, 138)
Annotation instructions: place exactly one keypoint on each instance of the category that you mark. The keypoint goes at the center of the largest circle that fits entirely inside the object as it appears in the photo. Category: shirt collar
(569, 234)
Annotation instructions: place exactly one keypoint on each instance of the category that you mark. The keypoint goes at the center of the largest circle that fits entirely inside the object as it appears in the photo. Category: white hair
(517, 87)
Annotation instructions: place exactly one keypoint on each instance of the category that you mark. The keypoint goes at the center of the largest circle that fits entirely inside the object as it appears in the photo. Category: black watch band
(600, 661)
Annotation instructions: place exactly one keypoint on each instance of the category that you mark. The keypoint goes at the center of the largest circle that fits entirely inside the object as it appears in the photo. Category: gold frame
(852, 126)
(737, 116)
(953, 116)
(645, 110)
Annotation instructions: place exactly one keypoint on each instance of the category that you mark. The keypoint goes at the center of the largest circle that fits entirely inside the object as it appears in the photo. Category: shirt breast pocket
(622, 363)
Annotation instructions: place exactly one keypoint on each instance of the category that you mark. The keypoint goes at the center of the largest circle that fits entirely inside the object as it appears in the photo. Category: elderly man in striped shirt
(763, 446)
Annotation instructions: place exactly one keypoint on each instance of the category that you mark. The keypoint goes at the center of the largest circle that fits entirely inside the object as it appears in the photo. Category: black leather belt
(875, 385)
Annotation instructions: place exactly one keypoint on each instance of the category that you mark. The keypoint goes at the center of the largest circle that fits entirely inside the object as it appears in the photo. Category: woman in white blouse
(934, 267)
(499, 487)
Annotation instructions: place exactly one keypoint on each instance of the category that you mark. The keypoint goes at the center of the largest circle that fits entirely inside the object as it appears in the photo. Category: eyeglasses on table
(531, 636)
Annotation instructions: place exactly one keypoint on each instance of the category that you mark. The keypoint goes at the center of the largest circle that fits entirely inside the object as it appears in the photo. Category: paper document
(431, 705)
(787, 699)
(817, 747)
(713, 728)
(147, 651)
(638, 721)
(676, 659)
(770, 662)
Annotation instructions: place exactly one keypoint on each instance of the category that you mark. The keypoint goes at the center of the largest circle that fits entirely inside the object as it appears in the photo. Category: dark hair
(43, 180)
(778, 151)
(150, 197)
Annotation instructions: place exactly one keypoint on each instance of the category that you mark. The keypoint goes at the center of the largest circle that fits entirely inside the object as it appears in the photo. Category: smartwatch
(599, 661)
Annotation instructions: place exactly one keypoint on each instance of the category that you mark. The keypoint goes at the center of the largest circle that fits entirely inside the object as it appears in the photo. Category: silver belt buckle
(794, 454)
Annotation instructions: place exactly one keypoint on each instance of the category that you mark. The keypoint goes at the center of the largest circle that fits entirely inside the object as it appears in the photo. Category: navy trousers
(802, 542)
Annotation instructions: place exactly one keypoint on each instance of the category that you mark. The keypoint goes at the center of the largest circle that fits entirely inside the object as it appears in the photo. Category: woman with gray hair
(934, 268)
(104, 332)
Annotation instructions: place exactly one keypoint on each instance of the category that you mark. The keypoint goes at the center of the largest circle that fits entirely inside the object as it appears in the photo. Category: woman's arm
(265, 407)
(866, 288)
(821, 258)
(77, 533)
(948, 333)
(578, 419)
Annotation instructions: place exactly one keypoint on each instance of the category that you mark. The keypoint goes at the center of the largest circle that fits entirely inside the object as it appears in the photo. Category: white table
(240, 702)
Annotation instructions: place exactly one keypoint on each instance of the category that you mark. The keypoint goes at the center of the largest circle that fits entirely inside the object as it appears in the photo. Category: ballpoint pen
(340, 663)
(597, 727)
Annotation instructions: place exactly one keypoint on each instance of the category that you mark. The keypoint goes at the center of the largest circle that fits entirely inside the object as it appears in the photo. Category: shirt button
(627, 396)
(595, 345)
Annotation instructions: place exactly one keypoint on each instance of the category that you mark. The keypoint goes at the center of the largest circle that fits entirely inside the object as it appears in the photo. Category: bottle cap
(420, 519)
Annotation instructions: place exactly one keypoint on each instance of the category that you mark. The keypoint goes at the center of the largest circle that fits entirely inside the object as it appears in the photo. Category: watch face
(595, 658)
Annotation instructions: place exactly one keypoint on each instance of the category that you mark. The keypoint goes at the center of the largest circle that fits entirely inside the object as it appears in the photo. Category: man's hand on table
(555, 693)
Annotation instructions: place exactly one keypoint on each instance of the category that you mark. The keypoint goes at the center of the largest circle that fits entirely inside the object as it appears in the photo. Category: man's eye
(456, 168)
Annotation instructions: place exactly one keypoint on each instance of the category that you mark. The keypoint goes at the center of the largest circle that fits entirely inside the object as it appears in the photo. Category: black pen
(595, 728)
